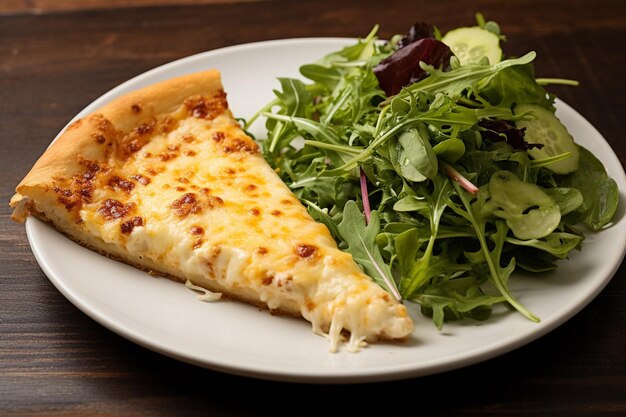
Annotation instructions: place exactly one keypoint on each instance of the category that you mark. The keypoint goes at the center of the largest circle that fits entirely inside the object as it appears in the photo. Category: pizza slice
(164, 179)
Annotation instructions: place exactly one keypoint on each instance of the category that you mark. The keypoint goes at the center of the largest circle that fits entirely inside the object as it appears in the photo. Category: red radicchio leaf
(403, 66)
(514, 136)
(418, 31)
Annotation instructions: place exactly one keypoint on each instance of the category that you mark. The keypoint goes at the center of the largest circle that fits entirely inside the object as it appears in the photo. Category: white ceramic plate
(232, 337)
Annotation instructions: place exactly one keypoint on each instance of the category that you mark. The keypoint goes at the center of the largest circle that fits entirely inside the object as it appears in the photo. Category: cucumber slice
(548, 130)
(471, 44)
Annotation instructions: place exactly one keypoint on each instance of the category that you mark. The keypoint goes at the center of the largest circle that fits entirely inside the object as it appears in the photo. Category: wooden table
(54, 360)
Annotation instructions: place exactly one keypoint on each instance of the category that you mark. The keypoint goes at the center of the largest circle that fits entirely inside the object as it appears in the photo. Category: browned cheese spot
(205, 107)
(239, 144)
(136, 108)
(137, 138)
(120, 184)
(173, 147)
(180, 189)
(276, 213)
(189, 138)
(261, 250)
(190, 204)
(144, 128)
(286, 202)
(112, 209)
(268, 279)
(187, 204)
(141, 179)
(99, 137)
(218, 136)
(198, 243)
(196, 230)
(250, 187)
(305, 251)
(254, 211)
(128, 226)
(77, 190)
(166, 156)
(67, 198)
(182, 180)
(189, 153)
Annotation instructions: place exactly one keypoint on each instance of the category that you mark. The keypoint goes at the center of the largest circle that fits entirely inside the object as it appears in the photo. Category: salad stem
(459, 178)
(263, 109)
(561, 81)
(365, 195)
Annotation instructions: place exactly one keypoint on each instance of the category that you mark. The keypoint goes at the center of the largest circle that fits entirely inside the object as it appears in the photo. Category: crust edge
(60, 158)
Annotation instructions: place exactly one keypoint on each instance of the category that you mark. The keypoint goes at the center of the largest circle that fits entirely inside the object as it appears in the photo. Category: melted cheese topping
(198, 198)
(206, 294)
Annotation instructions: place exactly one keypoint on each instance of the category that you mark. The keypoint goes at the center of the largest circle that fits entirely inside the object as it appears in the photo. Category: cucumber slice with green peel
(545, 128)
(471, 44)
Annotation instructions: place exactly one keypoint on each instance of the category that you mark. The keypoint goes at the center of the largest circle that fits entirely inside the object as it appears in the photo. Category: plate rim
(351, 375)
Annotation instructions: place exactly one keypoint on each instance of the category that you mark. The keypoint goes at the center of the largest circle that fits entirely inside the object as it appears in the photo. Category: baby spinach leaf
(450, 150)
(412, 156)
(516, 85)
(599, 191)
(568, 199)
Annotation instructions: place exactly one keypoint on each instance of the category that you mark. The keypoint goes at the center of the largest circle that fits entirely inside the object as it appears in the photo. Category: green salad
(439, 164)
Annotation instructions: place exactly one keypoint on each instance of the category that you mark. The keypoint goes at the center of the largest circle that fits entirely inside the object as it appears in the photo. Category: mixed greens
(439, 165)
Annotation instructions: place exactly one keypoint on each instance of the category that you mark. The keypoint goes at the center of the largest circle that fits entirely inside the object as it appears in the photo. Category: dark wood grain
(54, 360)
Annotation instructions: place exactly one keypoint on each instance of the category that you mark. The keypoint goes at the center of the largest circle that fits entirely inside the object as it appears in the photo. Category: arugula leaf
(327, 76)
(361, 240)
(422, 270)
(499, 275)
(442, 301)
(557, 244)
(470, 76)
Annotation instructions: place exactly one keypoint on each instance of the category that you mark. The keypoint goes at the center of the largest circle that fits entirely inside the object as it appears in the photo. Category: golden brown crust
(92, 136)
